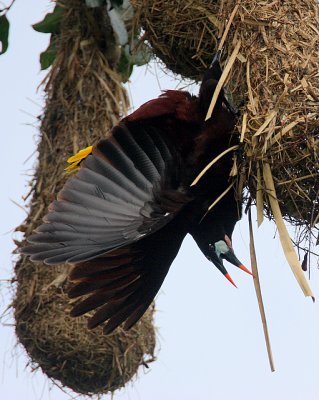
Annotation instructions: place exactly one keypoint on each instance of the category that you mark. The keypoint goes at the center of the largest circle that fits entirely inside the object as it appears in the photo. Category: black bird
(122, 218)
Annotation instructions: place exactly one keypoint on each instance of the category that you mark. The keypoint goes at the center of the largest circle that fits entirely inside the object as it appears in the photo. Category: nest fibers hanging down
(84, 99)
(273, 47)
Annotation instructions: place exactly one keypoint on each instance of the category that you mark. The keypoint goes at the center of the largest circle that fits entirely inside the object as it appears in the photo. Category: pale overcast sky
(210, 343)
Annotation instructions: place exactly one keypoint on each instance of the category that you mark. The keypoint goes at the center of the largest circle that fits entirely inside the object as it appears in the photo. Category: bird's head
(223, 250)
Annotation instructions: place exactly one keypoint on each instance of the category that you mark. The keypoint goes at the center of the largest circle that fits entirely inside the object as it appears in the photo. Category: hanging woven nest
(183, 34)
(84, 99)
(272, 52)
(88, 362)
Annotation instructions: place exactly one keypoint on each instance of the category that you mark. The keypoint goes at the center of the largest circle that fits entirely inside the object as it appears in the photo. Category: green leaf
(119, 13)
(47, 57)
(4, 33)
(118, 26)
(94, 3)
(123, 8)
(51, 22)
(117, 2)
(124, 66)
(127, 60)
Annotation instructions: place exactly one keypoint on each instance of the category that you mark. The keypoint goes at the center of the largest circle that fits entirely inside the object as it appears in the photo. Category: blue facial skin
(219, 251)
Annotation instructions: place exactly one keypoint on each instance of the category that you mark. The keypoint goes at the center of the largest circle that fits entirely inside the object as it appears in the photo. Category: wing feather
(123, 292)
(126, 190)
(109, 151)
(141, 161)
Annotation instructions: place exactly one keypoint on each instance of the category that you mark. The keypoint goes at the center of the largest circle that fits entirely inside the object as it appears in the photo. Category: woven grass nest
(271, 49)
(85, 361)
(84, 99)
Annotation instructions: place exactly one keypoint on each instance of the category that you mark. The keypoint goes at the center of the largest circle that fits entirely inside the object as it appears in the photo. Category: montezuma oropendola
(122, 218)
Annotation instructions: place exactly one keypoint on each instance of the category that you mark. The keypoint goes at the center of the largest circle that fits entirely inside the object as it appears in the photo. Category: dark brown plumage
(122, 219)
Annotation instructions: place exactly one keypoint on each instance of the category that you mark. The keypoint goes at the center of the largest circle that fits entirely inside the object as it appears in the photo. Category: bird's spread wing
(128, 188)
(122, 284)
